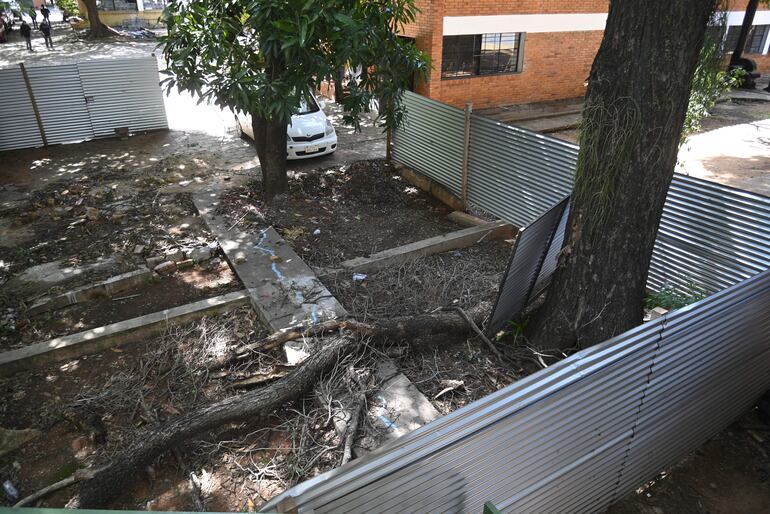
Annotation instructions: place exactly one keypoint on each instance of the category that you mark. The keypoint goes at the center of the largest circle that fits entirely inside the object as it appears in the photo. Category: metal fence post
(34, 104)
(466, 151)
(389, 146)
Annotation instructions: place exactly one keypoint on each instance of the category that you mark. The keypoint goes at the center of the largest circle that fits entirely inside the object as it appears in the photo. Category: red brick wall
(428, 34)
(556, 66)
(492, 7)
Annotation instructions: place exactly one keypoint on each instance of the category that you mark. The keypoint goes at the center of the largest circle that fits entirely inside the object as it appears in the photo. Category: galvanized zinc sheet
(554, 440)
(527, 257)
(515, 173)
(431, 140)
(580, 434)
(710, 236)
(712, 365)
(18, 127)
(123, 93)
(61, 103)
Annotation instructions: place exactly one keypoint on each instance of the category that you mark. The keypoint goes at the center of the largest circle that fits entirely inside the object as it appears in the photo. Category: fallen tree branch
(78, 476)
(477, 330)
(156, 440)
(358, 405)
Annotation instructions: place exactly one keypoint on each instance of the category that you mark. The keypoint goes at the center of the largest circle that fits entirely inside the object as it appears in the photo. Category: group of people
(45, 28)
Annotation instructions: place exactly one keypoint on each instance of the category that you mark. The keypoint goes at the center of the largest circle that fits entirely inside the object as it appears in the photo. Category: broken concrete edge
(433, 245)
(397, 408)
(429, 185)
(106, 287)
(116, 334)
(196, 254)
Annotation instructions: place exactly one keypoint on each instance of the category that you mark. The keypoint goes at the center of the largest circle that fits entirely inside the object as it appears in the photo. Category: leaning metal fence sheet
(18, 128)
(431, 141)
(712, 364)
(529, 252)
(59, 98)
(517, 174)
(710, 237)
(580, 433)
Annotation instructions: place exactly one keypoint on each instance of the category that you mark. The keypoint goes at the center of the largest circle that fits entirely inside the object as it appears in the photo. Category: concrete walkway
(283, 289)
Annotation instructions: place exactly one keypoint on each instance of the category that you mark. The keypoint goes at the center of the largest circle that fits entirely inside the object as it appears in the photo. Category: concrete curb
(116, 334)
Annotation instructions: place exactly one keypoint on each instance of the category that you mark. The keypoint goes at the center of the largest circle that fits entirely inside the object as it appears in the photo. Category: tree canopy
(261, 56)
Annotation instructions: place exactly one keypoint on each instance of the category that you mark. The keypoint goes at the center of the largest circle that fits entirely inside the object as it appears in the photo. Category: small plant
(23, 254)
(672, 297)
(515, 329)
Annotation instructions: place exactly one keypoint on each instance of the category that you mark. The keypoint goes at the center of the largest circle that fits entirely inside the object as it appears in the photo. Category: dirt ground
(730, 474)
(339, 213)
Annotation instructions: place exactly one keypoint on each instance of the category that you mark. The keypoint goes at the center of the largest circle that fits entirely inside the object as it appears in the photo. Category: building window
(755, 42)
(481, 54)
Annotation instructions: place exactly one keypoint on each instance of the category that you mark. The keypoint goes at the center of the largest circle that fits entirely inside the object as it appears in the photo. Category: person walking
(33, 14)
(45, 28)
(26, 33)
(46, 13)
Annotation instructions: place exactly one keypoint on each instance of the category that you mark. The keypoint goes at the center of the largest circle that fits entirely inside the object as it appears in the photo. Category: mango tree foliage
(261, 56)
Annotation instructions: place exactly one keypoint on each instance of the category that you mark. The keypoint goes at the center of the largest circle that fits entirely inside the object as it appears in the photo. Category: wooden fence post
(34, 104)
(466, 151)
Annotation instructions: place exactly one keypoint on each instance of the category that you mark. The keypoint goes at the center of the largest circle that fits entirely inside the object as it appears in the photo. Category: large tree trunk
(635, 106)
(270, 140)
(98, 30)
(106, 482)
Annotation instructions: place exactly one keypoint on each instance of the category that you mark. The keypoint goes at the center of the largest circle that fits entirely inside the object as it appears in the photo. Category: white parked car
(309, 133)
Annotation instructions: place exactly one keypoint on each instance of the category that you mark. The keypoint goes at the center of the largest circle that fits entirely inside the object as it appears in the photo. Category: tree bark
(97, 28)
(270, 141)
(154, 441)
(635, 106)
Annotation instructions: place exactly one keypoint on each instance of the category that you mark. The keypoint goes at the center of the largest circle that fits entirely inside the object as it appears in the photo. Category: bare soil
(90, 408)
(163, 292)
(338, 213)
(729, 474)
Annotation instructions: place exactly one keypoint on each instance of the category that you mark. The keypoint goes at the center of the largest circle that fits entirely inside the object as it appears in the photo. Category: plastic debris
(10, 491)
(359, 277)
(317, 232)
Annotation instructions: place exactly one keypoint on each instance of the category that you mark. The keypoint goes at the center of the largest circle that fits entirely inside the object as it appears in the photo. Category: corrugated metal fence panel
(580, 433)
(60, 101)
(517, 174)
(123, 93)
(527, 257)
(431, 141)
(711, 236)
(552, 255)
(551, 442)
(713, 364)
(18, 128)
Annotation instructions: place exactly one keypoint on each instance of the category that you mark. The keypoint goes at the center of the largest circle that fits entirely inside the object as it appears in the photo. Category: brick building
(497, 52)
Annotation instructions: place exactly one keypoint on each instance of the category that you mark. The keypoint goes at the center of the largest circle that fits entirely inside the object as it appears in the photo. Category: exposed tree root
(154, 441)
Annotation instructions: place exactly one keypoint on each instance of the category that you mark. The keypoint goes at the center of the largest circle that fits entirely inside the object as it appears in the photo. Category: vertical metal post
(34, 103)
(388, 145)
(466, 150)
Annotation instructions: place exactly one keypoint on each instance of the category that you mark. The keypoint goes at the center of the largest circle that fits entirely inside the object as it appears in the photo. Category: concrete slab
(44, 276)
(283, 289)
(116, 334)
(104, 288)
(396, 409)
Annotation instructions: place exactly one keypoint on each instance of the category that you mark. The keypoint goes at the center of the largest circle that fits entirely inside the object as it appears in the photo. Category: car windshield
(308, 105)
